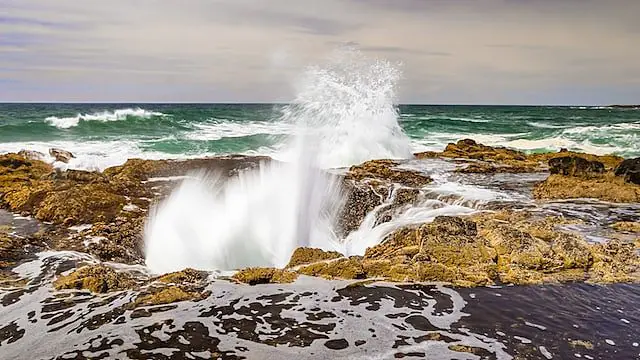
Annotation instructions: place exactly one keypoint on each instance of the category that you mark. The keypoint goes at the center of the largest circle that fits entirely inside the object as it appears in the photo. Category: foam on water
(116, 115)
(343, 114)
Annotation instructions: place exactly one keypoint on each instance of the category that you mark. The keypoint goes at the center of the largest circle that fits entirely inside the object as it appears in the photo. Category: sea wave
(542, 125)
(116, 115)
(226, 129)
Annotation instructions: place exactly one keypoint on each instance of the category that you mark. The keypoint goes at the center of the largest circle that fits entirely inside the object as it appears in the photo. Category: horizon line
(286, 103)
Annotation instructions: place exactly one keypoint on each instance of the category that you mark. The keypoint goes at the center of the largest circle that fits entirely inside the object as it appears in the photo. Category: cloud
(464, 51)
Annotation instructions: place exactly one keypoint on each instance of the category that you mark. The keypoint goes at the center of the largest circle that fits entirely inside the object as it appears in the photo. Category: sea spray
(344, 114)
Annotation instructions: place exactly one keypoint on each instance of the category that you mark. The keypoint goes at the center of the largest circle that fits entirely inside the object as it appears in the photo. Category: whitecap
(116, 115)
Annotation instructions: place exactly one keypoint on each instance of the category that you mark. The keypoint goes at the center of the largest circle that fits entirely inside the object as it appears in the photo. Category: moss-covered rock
(255, 276)
(97, 279)
(606, 187)
(346, 268)
(168, 295)
(186, 276)
(627, 226)
(387, 171)
(304, 255)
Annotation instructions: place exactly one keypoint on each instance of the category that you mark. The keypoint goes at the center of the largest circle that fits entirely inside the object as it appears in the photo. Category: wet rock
(575, 166)
(630, 170)
(97, 279)
(469, 149)
(61, 155)
(487, 159)
(627, 226)
(32, 155)
(168, 295)
(360, 199)
(13, 249)
(186, 276)
(141, 170)
(606, 187)
(609, 161)
(387, 171)
(255, 276)
(304, 255)
(615, 262)
(119, 241)
(346, 268)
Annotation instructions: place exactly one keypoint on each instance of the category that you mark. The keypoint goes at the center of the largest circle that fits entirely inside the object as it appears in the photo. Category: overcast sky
(453, 51)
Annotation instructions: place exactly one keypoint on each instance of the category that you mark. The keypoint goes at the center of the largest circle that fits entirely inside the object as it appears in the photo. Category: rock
(61, 155)
(81, 204)
(186, 276)
(627, 226)
(387, 171)
(615, 262)
(512, 247)
(360, 199)
(304, 255)
(347, 268)
(575, 166)
(630, 170)
(609, 161)
(168, 295)
(255, 276)
(32, 155)
(606, 187)
(470, 149)
(97, 279)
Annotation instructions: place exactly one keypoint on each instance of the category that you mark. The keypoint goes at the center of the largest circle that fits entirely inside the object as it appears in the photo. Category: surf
(343, 114)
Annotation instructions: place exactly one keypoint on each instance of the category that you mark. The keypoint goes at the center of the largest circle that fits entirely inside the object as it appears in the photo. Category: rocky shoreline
(103, 214)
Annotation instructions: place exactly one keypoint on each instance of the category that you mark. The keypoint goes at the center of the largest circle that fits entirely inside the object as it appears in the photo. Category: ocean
(103, 135)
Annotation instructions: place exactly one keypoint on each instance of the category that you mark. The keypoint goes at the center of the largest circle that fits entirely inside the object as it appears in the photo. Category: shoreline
(127, 192)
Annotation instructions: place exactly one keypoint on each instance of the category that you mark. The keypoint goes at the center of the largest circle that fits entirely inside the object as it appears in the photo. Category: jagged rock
(32, 155)
(97, 279)
(575, 166)
(304, 255)
(61, 155)
(606, 187)
(360, 200)
(255, 276)
(387, 171)
(468, 148)
(630, 170)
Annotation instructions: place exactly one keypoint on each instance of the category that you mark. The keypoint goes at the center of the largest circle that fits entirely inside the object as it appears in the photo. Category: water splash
(343, 114)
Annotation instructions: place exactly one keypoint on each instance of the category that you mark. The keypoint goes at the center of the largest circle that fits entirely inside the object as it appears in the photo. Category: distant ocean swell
(107, 135)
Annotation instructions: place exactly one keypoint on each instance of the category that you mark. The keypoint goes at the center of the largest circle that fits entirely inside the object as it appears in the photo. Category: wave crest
(116, 115)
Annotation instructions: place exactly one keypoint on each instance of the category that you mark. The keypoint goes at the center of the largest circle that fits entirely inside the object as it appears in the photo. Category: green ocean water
(107, 134)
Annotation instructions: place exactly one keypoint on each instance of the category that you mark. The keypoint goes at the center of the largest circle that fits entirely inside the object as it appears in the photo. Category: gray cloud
(464, 51)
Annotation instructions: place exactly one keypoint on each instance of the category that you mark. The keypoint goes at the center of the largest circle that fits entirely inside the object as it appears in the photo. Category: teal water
(107, 134)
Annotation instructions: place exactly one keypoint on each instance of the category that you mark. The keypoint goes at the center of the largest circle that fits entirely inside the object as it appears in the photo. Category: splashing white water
(120, 114)
(344, 114)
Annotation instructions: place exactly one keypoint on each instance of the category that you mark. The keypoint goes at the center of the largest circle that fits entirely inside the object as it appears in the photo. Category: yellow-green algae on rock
(508, 247)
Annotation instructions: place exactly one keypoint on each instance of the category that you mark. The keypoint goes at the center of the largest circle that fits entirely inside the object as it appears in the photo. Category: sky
(451, 51)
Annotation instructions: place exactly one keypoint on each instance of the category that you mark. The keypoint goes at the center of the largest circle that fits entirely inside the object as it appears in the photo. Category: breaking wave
(116, 115)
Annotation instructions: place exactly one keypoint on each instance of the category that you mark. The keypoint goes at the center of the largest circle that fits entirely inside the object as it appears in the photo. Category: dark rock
(61, 155)
(575, 166)
(630, 170)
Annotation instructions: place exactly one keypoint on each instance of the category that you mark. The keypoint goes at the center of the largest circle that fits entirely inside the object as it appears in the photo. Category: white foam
(116, 115)
(227, 129)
